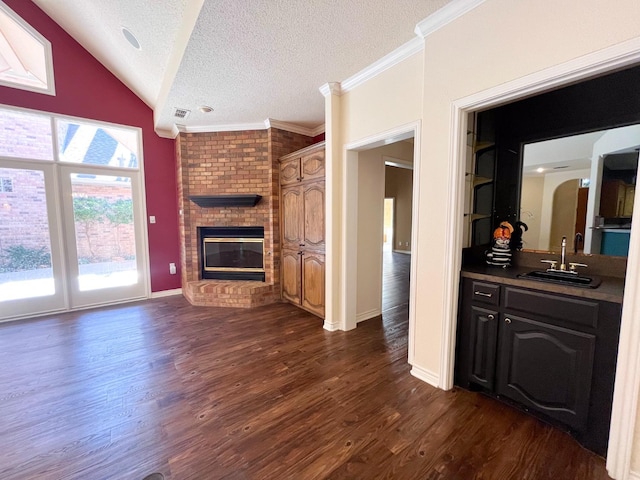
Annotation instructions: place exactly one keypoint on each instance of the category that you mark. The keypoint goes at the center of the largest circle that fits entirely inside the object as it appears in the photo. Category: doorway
(388, 236)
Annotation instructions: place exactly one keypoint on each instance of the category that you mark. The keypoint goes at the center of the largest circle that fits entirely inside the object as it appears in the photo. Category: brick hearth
(227, 163)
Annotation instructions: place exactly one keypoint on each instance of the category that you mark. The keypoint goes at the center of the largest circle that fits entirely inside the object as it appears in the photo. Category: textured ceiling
(248, 59)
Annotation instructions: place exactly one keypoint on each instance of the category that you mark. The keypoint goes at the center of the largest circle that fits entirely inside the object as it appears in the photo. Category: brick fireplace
(232, 163)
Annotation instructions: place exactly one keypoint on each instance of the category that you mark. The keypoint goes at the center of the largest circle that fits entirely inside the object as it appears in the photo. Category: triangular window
(25, 56)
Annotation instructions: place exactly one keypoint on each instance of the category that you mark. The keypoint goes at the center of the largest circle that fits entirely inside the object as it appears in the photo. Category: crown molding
(318, 130)
(410, 48)
(290, 127)
(331, 88)
(445, 15)
(170, 133)
(234, 127)
(238, 127)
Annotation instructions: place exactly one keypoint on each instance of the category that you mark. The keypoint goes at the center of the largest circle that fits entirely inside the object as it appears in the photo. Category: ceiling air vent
(181, 113)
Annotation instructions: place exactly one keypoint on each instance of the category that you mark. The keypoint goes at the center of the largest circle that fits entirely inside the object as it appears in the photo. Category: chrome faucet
(553, 264)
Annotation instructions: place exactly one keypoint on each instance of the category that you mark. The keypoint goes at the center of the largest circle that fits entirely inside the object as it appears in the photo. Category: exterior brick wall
(222, 163)
(28, 201)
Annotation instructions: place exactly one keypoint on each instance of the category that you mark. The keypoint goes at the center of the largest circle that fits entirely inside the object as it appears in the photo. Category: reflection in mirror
(581, 187)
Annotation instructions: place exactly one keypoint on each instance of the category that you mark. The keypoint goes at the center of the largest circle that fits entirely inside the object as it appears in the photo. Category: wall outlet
(399, 244)
(152, 219)
(172, 268)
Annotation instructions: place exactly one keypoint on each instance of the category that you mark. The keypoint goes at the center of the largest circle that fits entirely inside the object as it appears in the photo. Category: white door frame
(627, 381)
(349, 241)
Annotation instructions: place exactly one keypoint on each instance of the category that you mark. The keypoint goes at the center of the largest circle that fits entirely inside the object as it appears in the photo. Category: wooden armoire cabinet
(302, 221)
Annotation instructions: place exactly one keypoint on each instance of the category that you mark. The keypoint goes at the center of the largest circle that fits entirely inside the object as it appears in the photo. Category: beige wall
(531, 210)
(399, 185)
(498, 42)
(369, 236)
(385, 102)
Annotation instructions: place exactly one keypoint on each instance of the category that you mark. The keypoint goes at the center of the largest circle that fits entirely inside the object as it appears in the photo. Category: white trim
(238, 127)
(48, 56)
(445, 15)
(331, 327)
(374, 312)
(397, 162)
(410, 130)
(331, 88)
(400, 54)
(425, 375)
(231, 127)
(290, 127)
(627, 383)
(415, 224)
(404, 252)
(166, 293)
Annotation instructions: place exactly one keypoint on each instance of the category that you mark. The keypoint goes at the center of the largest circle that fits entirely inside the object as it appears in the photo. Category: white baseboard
(406, 252)
(634, 475)
(331, 327)
(426, 376)
(166, 293)
(361, 317)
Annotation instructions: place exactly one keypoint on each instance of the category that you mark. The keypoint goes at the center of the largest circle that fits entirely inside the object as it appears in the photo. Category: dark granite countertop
(610, 290)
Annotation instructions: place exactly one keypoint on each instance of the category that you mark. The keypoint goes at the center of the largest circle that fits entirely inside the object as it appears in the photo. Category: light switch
(152, 219)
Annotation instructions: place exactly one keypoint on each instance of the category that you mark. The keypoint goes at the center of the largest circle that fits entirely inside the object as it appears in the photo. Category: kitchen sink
(562, 278)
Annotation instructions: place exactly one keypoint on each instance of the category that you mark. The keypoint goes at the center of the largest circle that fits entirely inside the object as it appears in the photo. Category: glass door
(31, 266)
(104, 237)
(72, 229)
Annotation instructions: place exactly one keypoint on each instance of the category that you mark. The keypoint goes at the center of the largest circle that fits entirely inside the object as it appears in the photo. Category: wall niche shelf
(207, 201)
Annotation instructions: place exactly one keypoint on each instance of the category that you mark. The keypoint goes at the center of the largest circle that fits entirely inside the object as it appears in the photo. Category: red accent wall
(84, 88)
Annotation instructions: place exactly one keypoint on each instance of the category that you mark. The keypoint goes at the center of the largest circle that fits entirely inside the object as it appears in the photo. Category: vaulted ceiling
(249, 60)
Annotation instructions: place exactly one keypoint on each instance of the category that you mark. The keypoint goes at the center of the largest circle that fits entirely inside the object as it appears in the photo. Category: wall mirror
(581, 187)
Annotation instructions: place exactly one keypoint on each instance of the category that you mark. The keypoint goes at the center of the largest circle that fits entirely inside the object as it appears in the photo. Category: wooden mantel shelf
(206, 201)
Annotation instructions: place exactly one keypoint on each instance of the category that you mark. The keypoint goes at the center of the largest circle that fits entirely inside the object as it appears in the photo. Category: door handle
(507, 320)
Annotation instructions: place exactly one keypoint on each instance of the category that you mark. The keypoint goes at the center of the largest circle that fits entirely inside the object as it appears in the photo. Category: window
(6, 185)
(26, 61)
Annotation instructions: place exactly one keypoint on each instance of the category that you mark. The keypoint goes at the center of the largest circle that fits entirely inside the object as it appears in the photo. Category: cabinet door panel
(313, 282)
(291, 276)
(313, 165)
(483, 339)
(290, 171)
(314, 215)
(292, 217)
(547, 368)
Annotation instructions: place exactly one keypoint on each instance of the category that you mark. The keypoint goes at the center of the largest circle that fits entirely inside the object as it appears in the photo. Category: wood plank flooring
(212, 393)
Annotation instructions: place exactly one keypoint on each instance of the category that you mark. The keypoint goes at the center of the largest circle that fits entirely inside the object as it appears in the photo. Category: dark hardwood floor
(209, 393)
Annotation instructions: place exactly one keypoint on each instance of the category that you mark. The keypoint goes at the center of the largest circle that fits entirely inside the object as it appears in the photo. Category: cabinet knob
(490, 317)
(507, 320)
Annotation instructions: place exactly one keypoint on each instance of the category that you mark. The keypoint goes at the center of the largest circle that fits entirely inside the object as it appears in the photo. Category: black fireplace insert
(232, 253)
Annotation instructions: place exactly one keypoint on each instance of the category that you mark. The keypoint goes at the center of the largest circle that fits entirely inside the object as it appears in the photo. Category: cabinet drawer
(486, 293)
(565, 309)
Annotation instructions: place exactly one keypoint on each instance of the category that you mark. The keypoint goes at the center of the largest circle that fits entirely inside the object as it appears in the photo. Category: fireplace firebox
(232, 253)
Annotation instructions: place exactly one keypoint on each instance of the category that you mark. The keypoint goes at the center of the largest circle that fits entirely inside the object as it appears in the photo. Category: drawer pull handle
(482, 294)
(490, 317)
(507, 320)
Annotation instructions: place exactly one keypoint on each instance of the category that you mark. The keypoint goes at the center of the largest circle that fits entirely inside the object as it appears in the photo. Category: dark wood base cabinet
(553, 355)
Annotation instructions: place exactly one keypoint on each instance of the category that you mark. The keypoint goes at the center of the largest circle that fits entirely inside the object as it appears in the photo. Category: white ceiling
(251, 60)
(576, 152)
